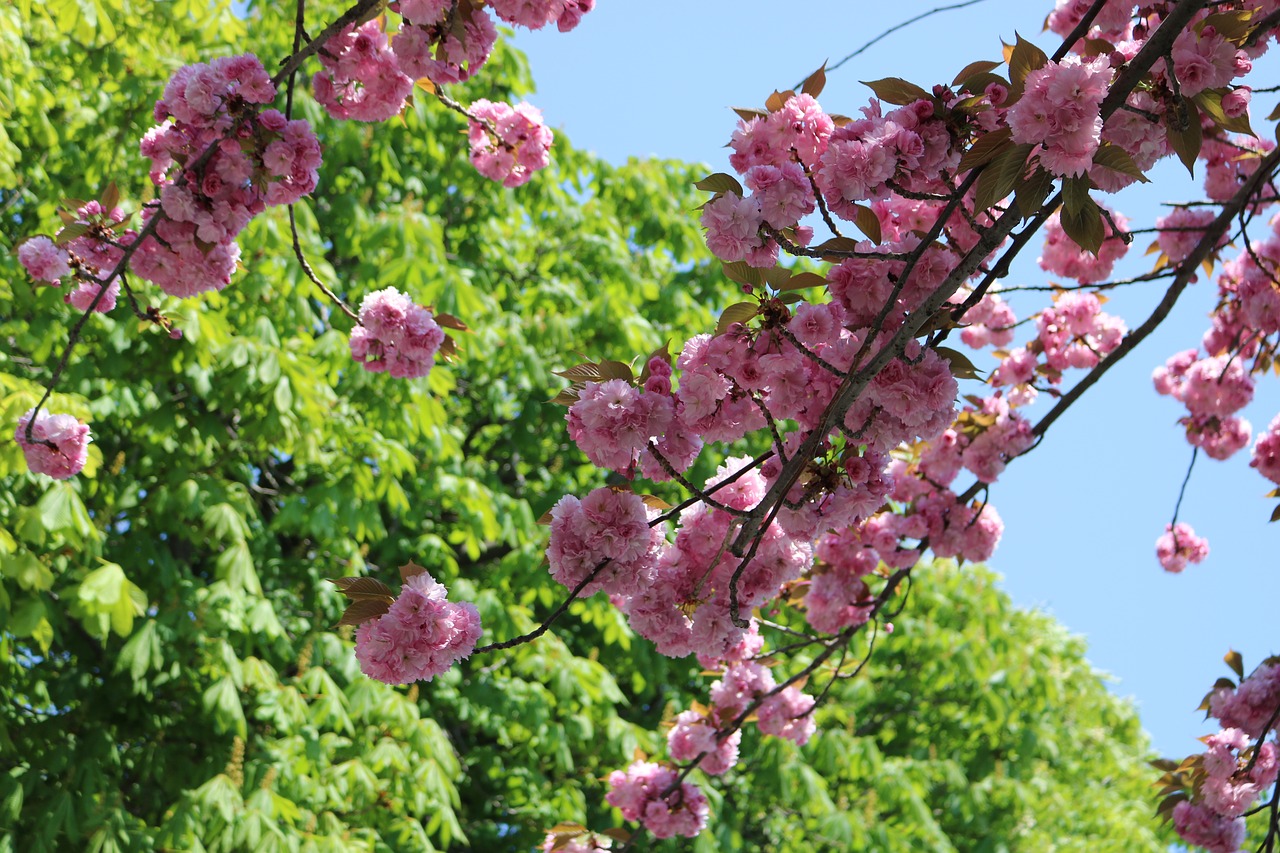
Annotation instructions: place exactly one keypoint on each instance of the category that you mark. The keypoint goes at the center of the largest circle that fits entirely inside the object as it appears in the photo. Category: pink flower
(1179, 546)
(508, 144)
(59, 444)
(395, 335)
(44, 260)
(1198, 825)
(1266, 453)
(609, 525)
(612, 422)
(84, 294)
(640, 793)
(1181, 230)
(421, 636)
(787, 714)
(1060, 110)
(360, 79)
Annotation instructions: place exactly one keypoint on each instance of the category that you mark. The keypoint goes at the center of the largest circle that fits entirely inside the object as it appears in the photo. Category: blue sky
(1082, 511)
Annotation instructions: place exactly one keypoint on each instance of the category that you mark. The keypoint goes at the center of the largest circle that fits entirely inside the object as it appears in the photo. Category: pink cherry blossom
(59, 444)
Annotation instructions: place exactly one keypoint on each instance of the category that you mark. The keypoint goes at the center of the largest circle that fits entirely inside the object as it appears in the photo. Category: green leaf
(895, 90)
(1235, 660)
(1031, 193)
(739, 312)
(986, 148)
(1085, 226)
(721, 182)
(973, 69)
(1024, 59)
(961, 366)
(1114, 157)
(1001, 176)
(1182, 129)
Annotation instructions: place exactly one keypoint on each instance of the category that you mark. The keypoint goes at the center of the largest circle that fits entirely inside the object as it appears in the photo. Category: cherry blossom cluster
(220, 157)
(508, 144)
(1178, 546)
(369, 76)
(1062, 256)
(1213, 389)
(259, 159)
(1239, 763)
(876, 491)
(652, 794)
(1060, 111)
(87, 250)
(422, 634)
(395, 335)
(59, 444)
(1266, 453)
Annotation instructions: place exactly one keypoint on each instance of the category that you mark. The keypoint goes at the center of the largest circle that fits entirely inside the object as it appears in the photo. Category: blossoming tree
(775, 483)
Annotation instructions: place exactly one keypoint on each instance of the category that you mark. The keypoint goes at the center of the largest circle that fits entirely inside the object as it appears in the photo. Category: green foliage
(169, 677)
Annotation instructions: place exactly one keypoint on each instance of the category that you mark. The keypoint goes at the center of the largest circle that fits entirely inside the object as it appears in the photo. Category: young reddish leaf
(361, 588)
(774, 102)
(985, 148)
(449, 321)
(1275, 513)
(411, 570)
(720, 182)
(744, 273)
(868, 223)
(567, 397)
(775, 277)
(655, 502)
(545, 518)
(110, 197)
(1115, 158)
(895, 90)
(363, 610)
(618, 834)
(588, 371)
(747, 114)
(839, 244)
(973, 69)
(1165, 809)
(1274, 114)
(803, 280)
(615, 370)
(814, 83)
(739, 312)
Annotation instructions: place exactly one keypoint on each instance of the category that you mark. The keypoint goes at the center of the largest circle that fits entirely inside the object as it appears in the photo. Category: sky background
(1082, 512)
